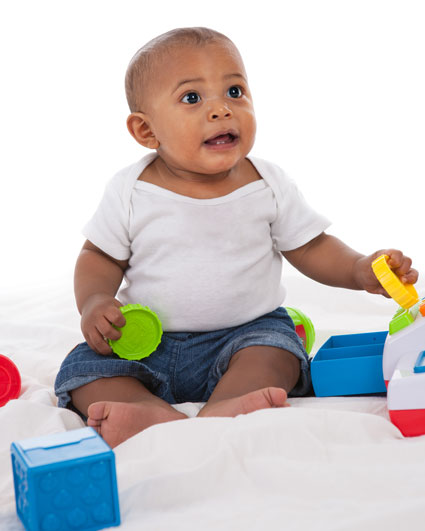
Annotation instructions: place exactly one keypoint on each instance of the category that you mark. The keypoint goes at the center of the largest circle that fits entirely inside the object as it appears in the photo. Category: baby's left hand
(400, 264)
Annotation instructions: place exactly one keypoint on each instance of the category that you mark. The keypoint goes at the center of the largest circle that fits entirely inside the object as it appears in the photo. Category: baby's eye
(234, 92)
(191, 97)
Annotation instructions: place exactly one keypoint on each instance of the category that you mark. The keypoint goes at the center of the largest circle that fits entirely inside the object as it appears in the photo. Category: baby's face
(201, 111)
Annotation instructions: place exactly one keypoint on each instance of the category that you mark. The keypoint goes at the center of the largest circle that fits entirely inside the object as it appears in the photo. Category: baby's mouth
(222, 138)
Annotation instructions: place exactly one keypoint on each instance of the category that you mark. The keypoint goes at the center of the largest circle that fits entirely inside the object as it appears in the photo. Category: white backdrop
(338, 88)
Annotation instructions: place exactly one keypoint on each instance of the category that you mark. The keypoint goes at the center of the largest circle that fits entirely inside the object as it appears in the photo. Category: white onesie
(203, 264)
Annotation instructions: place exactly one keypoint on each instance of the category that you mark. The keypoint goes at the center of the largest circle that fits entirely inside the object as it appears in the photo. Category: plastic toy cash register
(404, 353)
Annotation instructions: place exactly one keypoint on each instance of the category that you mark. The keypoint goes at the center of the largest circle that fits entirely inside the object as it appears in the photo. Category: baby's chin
(206, 162)
(218, 167)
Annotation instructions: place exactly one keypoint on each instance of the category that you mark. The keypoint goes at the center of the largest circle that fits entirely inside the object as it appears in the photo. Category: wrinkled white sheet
(324, 464)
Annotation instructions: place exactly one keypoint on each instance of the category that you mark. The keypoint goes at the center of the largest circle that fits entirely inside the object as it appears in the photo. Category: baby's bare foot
(261, 399)
(118, 421)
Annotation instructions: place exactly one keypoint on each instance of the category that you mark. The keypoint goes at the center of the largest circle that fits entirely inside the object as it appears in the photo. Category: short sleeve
(108, 229)
(296, 222)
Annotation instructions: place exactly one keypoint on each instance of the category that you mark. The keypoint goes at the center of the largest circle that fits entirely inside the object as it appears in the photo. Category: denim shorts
(186, 366)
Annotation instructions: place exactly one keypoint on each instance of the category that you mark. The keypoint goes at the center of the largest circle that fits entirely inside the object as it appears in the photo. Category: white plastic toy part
(406, 396)
(404, 374)
(409, 341)
(406, 389)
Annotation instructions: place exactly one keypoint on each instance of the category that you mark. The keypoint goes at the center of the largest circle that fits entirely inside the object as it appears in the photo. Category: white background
(338, 88)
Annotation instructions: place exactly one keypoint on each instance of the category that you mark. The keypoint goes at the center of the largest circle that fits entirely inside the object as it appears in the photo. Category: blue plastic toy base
(349, 364)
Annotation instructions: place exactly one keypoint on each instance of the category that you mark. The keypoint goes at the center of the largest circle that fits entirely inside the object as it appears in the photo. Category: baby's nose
(219, 110)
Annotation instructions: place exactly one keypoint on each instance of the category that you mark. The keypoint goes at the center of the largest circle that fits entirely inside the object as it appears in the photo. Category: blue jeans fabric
(186, 366)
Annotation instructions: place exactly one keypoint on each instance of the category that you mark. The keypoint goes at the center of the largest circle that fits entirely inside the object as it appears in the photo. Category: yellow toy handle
(404, 294)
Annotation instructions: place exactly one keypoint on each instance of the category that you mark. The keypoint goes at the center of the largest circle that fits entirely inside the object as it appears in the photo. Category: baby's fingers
(402, 266)
(397, 260)
(114, 315)
(410, 277)
(99, 343)
(108, 331)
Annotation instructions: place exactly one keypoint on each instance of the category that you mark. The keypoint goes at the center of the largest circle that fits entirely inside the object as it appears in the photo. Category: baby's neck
(170, 174)
(199, 186)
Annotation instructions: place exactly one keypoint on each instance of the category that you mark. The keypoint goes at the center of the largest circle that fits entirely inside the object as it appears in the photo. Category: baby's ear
(141, 131)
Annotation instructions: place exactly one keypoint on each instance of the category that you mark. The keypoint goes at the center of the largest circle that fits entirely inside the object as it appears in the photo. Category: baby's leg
(258, 377)
(119, 407)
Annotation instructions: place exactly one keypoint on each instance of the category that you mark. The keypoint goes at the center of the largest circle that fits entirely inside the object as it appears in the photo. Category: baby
(197, 229)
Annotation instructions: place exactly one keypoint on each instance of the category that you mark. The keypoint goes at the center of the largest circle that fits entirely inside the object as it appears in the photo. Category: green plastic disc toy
(304, 327)
(141, 333)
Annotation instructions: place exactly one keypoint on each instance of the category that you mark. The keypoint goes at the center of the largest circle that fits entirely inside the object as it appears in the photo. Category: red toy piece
(301, 333)
(10, 380)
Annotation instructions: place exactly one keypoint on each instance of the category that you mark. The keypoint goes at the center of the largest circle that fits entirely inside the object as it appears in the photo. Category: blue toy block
(349, 364)
(65, 481)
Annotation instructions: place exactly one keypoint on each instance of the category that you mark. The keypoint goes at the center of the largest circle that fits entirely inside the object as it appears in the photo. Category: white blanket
(324, 464)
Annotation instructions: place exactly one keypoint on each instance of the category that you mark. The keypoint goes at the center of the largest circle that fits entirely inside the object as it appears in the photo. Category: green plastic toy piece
(141, 333)
(402, 319)
(304, 327)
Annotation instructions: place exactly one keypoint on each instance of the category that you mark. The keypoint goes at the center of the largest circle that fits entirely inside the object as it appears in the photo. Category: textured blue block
(349, 364)
(65, 481)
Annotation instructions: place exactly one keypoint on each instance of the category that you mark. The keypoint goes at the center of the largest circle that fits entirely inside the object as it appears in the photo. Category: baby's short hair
(143, 63)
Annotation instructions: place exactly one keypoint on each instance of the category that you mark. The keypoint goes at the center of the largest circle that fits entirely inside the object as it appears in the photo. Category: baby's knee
(275, 358)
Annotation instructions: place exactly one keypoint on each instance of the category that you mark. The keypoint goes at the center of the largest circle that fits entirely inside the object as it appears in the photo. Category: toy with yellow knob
(404, 294)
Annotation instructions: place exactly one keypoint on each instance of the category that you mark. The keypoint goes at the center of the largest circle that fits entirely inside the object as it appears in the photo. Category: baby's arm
(96, 281)
(328, 260)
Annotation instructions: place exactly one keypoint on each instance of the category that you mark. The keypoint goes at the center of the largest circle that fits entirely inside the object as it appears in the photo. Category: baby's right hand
(100, 312)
